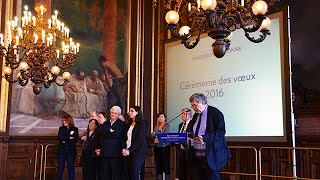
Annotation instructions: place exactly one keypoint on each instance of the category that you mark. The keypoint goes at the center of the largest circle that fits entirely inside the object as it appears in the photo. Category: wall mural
(99, 78)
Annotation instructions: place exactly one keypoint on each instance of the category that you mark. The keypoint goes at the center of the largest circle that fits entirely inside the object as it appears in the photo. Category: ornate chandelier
(34, 46)
(217, 18)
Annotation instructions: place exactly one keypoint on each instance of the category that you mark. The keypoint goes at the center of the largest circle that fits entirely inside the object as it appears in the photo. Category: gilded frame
(4, 94)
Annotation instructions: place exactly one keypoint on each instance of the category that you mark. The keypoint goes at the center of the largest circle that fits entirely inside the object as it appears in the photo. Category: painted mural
(99, 78)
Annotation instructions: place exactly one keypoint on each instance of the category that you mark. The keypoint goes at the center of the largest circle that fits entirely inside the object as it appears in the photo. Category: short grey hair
(187, 110)
(199, 98)
(117, 108)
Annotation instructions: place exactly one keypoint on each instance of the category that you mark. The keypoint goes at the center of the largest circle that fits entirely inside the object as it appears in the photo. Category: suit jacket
(139, 143)
(67, 145)
(110, 138)
(217, 151)
(189, 127)
(96, 138)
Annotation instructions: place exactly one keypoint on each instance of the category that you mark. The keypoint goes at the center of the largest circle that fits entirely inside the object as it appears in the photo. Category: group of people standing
(112, 149)
(116, 149)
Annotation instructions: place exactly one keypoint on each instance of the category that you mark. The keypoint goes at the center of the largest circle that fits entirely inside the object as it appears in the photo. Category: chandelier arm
(179, 6)
(7, 77)
(13, 65)
(255, 27)
(211, 17)
(68, 61)
(9, 60)
(63, 84)
(189, 45)
(231, 22)
(261, 37)
(46, 84)
(16, 64)
(192, 27)
(63, 67)
(23, 82)
(174, 31)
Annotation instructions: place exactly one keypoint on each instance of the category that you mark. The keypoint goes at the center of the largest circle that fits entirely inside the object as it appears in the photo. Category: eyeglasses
(193, 105)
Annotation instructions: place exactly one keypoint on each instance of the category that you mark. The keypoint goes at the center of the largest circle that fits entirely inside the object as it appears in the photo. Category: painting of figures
(98, 79)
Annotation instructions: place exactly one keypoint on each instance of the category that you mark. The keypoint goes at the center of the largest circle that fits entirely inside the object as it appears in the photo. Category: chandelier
(34, 46)
(217, 18)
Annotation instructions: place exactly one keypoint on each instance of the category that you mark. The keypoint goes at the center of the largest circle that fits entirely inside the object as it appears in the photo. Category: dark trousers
(162, 159)
(99, 168)
(111, 168)
(183, 170)
(61, 159)
(132, 166)
(142, 171)
(202, 171)
(88, 167)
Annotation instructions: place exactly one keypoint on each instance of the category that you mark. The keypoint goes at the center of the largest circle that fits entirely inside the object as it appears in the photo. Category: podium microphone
(176, 117)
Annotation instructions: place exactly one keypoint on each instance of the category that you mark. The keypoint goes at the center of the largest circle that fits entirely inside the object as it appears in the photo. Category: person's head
(94, 115)
(161, 118)
(101, 60)
(102, 117)
(115, 112)
(135, 113)
(94, 75)
(198, 102)
(103, 77)
(67, 120)
(80, 74)
(186, 114)
(93, 123)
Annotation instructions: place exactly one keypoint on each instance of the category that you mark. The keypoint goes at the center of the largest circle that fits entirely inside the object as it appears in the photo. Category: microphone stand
(173, 119)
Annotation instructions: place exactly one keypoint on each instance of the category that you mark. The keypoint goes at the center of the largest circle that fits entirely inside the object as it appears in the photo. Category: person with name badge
(66, 149)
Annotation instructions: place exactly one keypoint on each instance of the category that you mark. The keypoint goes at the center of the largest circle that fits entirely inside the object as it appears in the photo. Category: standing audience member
(94, 115)
(136, 146)
(66, 150)
(111, 135)
(182, 149)
(161, 150)
(209, 129)
(87, 160)
(102, 118)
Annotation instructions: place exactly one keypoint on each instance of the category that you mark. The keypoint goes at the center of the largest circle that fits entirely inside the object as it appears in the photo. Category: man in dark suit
(209, 130)
(182, 149)
(111, 135)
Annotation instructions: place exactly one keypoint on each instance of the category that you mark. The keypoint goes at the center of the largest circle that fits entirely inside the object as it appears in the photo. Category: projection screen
(250, 84)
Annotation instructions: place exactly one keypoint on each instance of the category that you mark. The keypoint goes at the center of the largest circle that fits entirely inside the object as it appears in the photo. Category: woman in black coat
(66, 150)
(87, 160)
(136, 142)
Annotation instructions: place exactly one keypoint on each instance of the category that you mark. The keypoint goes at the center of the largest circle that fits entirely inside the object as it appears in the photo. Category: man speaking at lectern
(209, 132)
